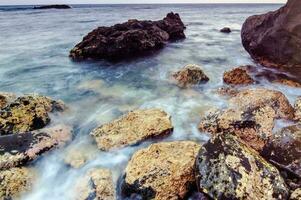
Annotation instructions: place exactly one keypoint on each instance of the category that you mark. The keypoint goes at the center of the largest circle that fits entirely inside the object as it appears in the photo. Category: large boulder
(15, 181)
(129, 39)
(238, 76)
(132, 128)
(19, 149)
(97, 184)
(190, 75)
(162, 171)
(27, 113)
(274, 39)
(229, 169)
(251, 116)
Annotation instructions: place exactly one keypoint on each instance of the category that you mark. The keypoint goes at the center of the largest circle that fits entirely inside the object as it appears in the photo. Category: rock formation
(225, 30)
(238, 76)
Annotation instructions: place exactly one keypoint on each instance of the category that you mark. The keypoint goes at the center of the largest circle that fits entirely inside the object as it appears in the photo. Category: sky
(36, 2)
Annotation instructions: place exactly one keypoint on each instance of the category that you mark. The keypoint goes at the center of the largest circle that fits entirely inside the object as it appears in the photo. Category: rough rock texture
(296, 195)
(288, 82)
(227, 91)
(283, 149)
(229, 169)
(79, 155)
(6, 98)
(162, 171)
(225, 30)
(273, 39)
(133, 128)
(97, 184)
(190, 75)
(58, 6)
(238, 76)
(27, 113)
(15, 181)
(297, 108)
(251, 116)
(129, 39)
(18, 149)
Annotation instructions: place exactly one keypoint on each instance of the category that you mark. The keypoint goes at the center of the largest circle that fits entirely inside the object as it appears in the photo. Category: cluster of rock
(24, 137)
(129, 39)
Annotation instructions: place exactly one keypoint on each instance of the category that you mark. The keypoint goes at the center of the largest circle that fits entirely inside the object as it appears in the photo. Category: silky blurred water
(34, 48)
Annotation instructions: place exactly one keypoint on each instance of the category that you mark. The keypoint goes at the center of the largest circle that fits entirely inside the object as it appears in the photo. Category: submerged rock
(297, 108)
(27, 113)
(129, 39)
(132, 128)
(228, 169)
(273, 39)
(251, 116)
(162, 171)
(225, 30)
(19, 149)
(238, 76)
(57, 6)
(97, 184)
(190, 75)
(15, 181)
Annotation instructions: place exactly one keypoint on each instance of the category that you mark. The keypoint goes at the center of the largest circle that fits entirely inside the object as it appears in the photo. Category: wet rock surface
(78, 156)
(238, 76)
(132, 128)
(15, 181)
(27, 113)
(6, 98)
(229, 169)
(58, 6)
(251, 116)
(297, 108)
(190, 75)
(129, 39)
(273, 39)
(226, 30)
(19, 149)
(97, 184)
(162, 171)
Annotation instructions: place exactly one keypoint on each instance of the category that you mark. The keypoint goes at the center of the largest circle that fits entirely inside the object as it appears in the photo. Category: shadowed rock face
(129, 39)
(228, 169)
(274, 39)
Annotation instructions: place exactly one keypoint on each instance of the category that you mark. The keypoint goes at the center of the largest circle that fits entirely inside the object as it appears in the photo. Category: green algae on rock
(15, 181)
(162, 171)
(133, 128)
(27, 113)
(229, 169)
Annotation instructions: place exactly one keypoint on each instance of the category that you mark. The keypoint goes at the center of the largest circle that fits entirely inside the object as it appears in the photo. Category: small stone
(228, 169)
(162, 171)
(78, 156)
(97, 184)
(132, 128)
(238, 76)
(225, 30)
(190, 75)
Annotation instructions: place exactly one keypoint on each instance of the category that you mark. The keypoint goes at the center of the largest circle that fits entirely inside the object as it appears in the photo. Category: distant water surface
(34, 48)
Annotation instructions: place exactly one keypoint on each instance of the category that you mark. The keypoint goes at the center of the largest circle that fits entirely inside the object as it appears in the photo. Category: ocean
(34, 49)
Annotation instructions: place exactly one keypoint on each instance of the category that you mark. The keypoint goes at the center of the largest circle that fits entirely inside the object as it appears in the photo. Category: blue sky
(22, 2)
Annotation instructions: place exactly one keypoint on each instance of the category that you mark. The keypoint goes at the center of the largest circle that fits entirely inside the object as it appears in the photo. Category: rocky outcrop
(296, 195)
(132, 128)
(6, 98)
(15, 181)
(225, 30)
(129, 39)
(97, 184)
(19, 149)
(273, 39)
(251, 116)
(162, 171)
(238, 76)
(229, 169)
(57, 6)
(27, 113)
(190, 75)
(297, 108)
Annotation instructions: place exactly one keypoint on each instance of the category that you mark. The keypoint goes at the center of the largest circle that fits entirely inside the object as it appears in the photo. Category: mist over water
(34, 49)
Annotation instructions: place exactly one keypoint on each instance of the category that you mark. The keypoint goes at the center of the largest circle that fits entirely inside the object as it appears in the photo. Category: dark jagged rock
(274, 39)
(61, 6)
(225, 30)
(229, 169)
(129, 39)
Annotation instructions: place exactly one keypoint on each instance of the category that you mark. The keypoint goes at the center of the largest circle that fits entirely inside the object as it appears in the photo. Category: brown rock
(129, 39)
(132, 128)
(296, 195)
(162, 171)
(27, 113)
(97, 184)
(288, 82)
(190, 75)
(238, 76)
(14, 182)
(297, 108)
(227, 91)
(273, 39)
(19, 149)
(6, 98)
